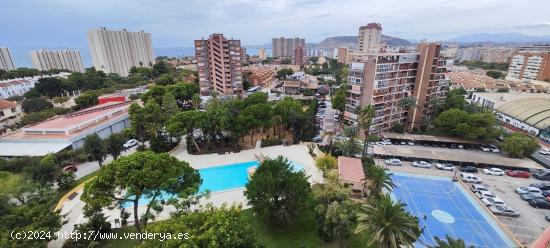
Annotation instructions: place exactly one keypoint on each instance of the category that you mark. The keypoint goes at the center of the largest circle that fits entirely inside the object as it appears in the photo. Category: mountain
(351, 42)
(500, 38)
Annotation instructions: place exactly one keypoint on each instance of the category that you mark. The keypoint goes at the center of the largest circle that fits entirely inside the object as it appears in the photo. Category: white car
(493, 148)
(447, 167)
(410, 143)
(421, 164)
(545, 151)
(393, 161)
(485, 194)
(493, 171)
(484, 148)
(130, 143)
(477, 187)
(385, 141)
(525, 190)
(493, 201)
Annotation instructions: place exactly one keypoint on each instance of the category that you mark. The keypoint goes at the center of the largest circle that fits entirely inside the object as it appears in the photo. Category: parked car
(469, 178)
(525, 190)
(504, 211)
(477, 187)
(447, 167)
(410, 143)
(421, 164)
(130, 143)
(545, 193)
(393, 162)
(460, 147)
(493, 171)
(531, 196)
(542, 174)
(469, 169)
(484, 148)
(538, 203)
(493, 148)
(545, 151)
(317, 139)
(518, 173)
(493, 201)
(541, 186)
(485, 194)
(453, 146)
(403, 143)
(70, 168)
(547, 217)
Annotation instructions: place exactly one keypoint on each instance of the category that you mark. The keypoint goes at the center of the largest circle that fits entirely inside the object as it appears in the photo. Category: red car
(70, 168)
(518, 173)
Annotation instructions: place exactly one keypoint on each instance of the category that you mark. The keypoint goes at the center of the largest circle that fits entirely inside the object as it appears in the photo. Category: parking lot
(525, 228)
(473, 156)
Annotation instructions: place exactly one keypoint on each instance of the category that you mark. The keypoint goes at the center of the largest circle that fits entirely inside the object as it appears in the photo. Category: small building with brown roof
(350, 173)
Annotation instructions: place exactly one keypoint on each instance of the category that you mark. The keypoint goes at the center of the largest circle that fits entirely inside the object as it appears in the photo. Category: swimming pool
(448, 209)
(220, 178)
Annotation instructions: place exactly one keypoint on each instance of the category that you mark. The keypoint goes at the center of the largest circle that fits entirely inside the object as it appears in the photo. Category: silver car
(421, 164)
(504, 211)
(393, 161)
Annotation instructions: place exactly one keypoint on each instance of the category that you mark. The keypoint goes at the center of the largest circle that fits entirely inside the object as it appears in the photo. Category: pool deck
(297, 153)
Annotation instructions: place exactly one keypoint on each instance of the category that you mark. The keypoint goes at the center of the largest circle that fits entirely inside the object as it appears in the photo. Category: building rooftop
(534, 111)
(503, 98)
(350, 169)
(5, 104)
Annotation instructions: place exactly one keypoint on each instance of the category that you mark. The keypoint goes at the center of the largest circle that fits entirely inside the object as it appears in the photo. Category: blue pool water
(449, 209)
(220, 178)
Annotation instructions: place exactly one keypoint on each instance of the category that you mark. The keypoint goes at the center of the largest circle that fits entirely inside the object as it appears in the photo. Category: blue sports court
(444, 207)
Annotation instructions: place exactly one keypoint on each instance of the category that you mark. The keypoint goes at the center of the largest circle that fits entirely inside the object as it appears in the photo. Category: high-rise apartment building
(299, 56)
(219, 64)
(6, 62)
(369, 38)
(64, 59)
(261, 54)
(284, 47)
(116, 51)
(530, 63)
(383, 80)
(343, 55)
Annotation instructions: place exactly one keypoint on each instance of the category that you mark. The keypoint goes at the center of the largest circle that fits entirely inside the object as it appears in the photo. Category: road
(87, 168)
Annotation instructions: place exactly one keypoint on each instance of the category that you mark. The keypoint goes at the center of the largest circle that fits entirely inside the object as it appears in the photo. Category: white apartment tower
(64, 59)
(369, 38)
(116, 51)
(6, 62)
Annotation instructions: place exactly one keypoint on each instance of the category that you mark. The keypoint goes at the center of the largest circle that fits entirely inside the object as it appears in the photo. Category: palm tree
(366, 115)
(449, 243)
(378, 180)
(388, 224)
(349, 147)
(408, 102)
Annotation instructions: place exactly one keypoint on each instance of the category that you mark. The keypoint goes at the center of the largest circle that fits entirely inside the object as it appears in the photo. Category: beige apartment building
(6, 61)
(369, 38)
(284, 47)
(219, 64)
(116, 51)
(383, 80)
(261, 54)
(63, 59)
(530, 63)
(343, 53)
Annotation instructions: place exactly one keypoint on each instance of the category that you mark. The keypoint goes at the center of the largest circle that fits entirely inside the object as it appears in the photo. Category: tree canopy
(456, 122)
(276, 192)
(519, 145)
(141, 174)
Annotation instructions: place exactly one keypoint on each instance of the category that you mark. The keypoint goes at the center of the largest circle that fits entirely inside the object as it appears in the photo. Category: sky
(176, 23)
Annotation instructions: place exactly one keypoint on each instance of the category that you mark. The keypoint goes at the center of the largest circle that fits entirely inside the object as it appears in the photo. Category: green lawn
(9, 182)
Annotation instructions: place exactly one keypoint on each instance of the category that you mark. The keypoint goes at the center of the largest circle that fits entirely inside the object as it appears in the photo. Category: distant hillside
(500, 38)
(351, 42)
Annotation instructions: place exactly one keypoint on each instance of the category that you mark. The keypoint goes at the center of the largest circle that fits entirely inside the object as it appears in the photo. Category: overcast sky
(63, 23)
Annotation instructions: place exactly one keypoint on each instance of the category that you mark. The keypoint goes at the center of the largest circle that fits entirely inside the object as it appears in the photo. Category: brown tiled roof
(4, 104)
